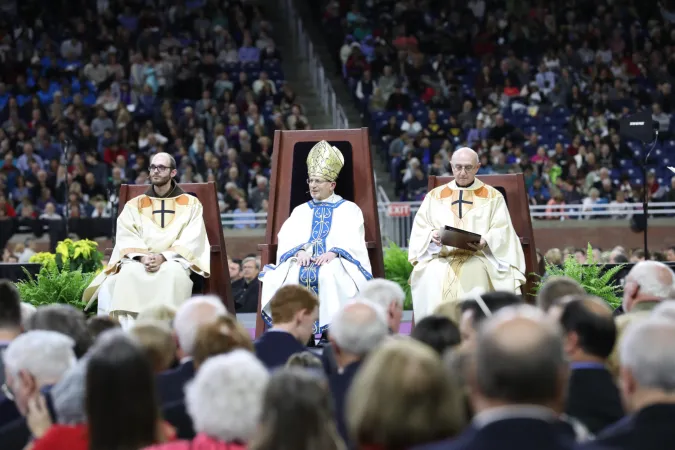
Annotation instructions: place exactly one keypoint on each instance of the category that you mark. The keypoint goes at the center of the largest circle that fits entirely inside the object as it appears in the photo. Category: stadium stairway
(296, 69)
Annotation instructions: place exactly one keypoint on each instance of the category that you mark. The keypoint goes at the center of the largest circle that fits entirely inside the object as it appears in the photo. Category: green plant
(397, 268)
(592, 277)
(81, 254)
(44, 258)
(55, 285)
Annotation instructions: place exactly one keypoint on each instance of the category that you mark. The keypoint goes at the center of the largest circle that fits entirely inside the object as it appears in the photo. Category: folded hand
(152, 262)
(325, 258)
(303, 258)
(436, 237)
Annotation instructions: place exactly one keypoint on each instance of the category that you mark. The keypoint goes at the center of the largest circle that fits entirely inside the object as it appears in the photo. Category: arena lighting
(642, 127)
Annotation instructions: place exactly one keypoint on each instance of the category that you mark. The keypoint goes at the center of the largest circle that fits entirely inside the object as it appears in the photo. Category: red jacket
(76, 437)
(200, 442)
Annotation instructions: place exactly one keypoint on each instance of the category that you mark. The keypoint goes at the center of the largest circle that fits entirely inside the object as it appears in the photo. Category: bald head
(163, 159)
(465, 155)
(465, 164)
(520, 358)
(648, 281)
(359, 327)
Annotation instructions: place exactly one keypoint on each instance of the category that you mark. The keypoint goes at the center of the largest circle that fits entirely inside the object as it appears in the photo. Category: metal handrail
(317, 74)
(536, 211)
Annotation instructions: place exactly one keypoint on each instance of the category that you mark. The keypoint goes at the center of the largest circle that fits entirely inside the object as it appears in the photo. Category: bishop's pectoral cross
(163, 211)
(460, 202)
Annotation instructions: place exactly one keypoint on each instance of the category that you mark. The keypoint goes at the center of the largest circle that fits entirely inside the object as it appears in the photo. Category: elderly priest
(322, 244)
(160, 239)
(447, 274)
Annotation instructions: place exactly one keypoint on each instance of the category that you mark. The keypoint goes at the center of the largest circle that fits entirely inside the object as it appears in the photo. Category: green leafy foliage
(397, 268)
(591, 276)
(55, 285)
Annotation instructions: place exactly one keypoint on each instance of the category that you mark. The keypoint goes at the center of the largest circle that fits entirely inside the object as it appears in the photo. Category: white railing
(396, 218)
(317, 74)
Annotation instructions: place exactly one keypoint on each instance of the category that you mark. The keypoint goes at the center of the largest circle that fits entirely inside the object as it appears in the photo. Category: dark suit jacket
(562, 432)
(593, 398)
(339, 385)
(330, 366)
(171, 383)
(176, 414)
(651, 428)
(275, 347)
(16, 434)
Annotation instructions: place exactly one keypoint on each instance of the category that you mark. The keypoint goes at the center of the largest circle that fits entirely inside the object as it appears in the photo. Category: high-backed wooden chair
(512, 187)
(288, 188)
(219, 281)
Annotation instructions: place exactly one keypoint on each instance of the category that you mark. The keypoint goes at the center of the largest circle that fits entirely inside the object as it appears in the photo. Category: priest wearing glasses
(443, 273)
(160, 240)
(322, 244)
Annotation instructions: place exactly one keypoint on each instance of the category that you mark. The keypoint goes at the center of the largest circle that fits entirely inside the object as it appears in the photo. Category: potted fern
(397, 268)
(64, 275)
(591, 276)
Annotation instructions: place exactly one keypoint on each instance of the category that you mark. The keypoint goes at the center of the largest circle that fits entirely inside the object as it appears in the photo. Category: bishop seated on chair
(447, 274)
(321, 246)
(160, 239)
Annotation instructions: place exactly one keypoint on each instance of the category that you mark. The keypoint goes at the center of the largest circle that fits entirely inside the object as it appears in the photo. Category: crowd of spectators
(119, 81)
(477, 374)
(534, 87)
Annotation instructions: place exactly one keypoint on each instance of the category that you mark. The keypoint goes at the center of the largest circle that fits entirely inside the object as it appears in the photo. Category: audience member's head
(295, 309)
(27, 311)
(164, 313)
(35, 360)
(68, 395)
(97, 325)
(519, 360)
(556, 287)
(225, 398)
(647, 354)
(356, 330)
(475, 310)
(121, 400)
(306, 359)
(10, 311)
(589, 328)
(297, 400)
(648, 281)
(438, 332)
(66, 320)
(198, 311)
(423, 403)
(220, 337)
(390, 296)
(156, 339)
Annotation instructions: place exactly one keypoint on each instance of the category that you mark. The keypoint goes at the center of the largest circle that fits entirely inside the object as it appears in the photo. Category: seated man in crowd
(161, 237)
(446, 274)
(322, 244)
(294, 310)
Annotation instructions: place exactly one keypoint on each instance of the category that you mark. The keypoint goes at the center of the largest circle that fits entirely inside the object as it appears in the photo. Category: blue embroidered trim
(346, 255)
(322, 220)
(289, 254)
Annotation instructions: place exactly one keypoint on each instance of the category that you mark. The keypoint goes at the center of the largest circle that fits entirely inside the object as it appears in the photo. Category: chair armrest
(371, 244)
(270, 247)
(215, 249)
